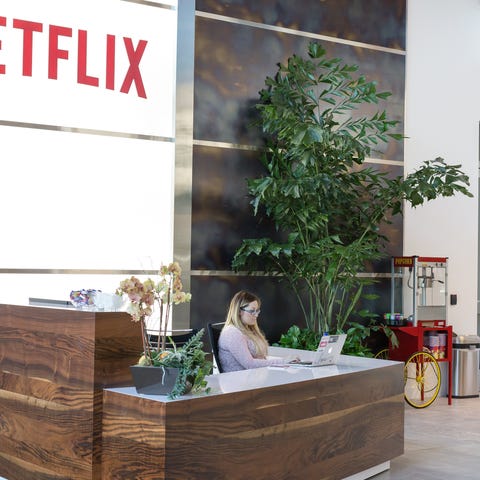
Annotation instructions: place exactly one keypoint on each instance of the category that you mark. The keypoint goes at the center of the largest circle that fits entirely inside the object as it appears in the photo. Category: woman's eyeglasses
(251, 312)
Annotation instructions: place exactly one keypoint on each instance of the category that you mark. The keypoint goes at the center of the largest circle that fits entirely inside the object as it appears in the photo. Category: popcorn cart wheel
(422, 374)
(422, 377)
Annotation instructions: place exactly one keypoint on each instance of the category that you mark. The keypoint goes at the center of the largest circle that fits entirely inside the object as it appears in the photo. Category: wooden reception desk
(54, 365)
(334, 422)
(269, 423)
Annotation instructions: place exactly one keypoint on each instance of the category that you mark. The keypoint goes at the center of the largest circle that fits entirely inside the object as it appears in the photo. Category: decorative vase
(151, 380)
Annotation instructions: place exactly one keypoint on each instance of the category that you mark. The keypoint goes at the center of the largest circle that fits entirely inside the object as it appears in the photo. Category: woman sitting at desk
(241, 344)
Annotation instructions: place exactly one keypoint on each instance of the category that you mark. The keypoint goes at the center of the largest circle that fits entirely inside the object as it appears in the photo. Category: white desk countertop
(244, 380)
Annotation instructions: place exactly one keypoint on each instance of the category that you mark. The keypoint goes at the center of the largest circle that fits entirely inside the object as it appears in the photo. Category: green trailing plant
(326, 204)
(191, 360)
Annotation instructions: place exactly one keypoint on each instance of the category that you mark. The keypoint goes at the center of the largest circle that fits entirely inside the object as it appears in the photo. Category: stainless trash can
(466, 363)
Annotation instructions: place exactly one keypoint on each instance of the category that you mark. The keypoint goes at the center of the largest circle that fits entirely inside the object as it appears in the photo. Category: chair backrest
(214, 330)
(180, 337)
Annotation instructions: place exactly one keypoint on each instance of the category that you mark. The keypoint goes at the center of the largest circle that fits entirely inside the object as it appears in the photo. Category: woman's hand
(293, 360)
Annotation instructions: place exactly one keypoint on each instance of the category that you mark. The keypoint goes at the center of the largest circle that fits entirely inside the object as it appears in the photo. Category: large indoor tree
(326, 204)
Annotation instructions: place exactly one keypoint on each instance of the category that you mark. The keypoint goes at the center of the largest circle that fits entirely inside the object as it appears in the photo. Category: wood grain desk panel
(326, 428)
(54, 366)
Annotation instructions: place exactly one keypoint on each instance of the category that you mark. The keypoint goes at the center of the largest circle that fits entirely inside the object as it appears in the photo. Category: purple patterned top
(237, 352)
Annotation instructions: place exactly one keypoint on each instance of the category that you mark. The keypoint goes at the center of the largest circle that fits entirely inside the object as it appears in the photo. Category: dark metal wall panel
(233, 60)
(221, 212)
(279, 312)
(376, 22)
(212, 296)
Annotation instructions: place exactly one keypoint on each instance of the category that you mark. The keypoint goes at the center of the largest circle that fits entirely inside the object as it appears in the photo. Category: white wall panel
(87, 169)
(85, 201)
(442, 119)
(147, 104)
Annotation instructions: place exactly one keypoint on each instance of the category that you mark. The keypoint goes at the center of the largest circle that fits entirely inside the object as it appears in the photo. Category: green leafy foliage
(355, 344)
(358, 335)
(303, 339)
(191, 360)
(325, 203)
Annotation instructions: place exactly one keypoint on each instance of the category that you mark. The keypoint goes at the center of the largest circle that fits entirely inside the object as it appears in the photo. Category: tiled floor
(442, 442)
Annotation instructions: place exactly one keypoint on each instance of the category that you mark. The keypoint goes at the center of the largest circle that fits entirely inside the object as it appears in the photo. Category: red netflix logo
(56, 54)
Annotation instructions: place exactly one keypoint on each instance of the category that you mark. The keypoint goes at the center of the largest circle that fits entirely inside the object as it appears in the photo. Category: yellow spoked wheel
(422, 379)
(382, 354)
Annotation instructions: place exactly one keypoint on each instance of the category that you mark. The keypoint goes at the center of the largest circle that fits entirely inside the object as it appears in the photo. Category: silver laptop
(329, 356)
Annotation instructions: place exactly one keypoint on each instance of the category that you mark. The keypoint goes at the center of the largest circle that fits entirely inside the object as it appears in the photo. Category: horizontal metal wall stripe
(229, 273)
(85, 131)
(74, 271)
(210, 143)
(316, 36)
(193, 273)
(151, 4)
(235, 146)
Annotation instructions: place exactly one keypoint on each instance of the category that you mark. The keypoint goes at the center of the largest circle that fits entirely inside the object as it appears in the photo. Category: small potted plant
(164, 369)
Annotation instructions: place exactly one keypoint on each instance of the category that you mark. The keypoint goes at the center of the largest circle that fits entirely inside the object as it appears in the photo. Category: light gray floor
(442, 442)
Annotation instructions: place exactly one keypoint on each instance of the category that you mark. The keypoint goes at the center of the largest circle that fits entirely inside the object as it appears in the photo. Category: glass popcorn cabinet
(418, 318)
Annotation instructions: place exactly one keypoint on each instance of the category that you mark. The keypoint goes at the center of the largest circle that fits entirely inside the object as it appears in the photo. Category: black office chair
(180, 337)
(214, 330)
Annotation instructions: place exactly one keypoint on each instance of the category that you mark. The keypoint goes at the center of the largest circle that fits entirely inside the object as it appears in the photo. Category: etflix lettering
(30, 29)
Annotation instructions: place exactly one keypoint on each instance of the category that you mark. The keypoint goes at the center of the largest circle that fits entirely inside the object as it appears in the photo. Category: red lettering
(133, 73)
(82, 76)
(55, 53)
(110, 63)
(28, 29)
(3, 23)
